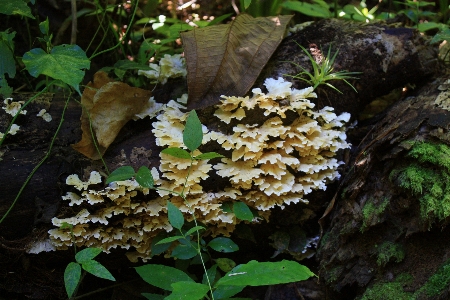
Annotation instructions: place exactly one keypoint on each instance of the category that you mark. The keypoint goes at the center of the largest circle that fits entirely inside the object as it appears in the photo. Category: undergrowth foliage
(190, 245)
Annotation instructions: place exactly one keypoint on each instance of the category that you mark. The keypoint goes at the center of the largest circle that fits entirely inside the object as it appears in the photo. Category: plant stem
(42, 160)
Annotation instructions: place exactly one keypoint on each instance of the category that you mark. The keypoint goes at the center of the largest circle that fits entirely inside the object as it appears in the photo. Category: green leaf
(443, 35)
(208, 155)
(242, 211)
(184, 251)
(219, 19)
(72, 276)
(174, 30)
(177, 152)
(188, 290)
(162, 276)
(170, 239)
(176, 218)
(225, 264)
(97, 269)
(66, 225)
(5, 89)
(122, 173)
(7, 64)
(15, 7)
(87, 254)
(144, 177)
(150, 296)
(211, 273)
(158, 249)
(64, 62)
(227, 291)
(265, 273)
(226, 207)
(247, 3)
(223, 244)
(194, 229)
(44, 26)
(193, 133)
(131, 65)
(312, 10)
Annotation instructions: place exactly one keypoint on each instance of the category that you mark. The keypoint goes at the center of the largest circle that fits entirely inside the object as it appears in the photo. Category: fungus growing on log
(271, 164)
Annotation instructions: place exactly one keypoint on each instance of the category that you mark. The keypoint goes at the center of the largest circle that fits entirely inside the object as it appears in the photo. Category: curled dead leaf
(110, 105)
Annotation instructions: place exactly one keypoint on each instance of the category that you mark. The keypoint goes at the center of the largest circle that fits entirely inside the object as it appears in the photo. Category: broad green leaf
(7, 64)
(184, 251)
(428, 26)
(225, 264)
(72, 276)
(170, 239)
(226, 207)
(144, 177)
(208, 155)
(177, 152)
(187, 290)
(193, 133)
(66, 225)
(122, 173)
(176, 218)
(219, 19)
(64, 62)
(150, 296)
(174, 30)
(226, 291)
(247, 3)
(223, 244)
(242, 211)
(87, 254)
(44, 26)
(265, 273)
(158, 249)
(197, 260)
(15, 7)
(312, 10)
(97, 269)
(194, 229)
(5, 89)
(131, 65)
(211, 273)
(443, 35)
(161, 276)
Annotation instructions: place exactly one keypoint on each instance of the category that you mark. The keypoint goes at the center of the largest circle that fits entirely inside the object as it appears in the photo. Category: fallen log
(388, 58)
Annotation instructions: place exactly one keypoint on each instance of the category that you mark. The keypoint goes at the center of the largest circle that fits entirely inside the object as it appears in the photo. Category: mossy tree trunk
(391, 212)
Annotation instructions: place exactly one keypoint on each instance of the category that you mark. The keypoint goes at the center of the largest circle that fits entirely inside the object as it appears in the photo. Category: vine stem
(196, 224)
(126, 33)
(43, 159)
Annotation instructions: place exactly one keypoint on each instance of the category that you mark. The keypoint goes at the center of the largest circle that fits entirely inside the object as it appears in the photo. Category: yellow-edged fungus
(273, 164)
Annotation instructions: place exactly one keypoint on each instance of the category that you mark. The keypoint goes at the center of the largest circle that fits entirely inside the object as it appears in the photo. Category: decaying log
(375, 205)
(389, 58)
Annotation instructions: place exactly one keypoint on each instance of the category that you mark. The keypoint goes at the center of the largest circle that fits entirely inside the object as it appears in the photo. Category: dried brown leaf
(110, 105)
(227, 59)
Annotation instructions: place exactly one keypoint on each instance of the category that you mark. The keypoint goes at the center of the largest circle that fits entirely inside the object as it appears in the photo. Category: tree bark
(374, 204)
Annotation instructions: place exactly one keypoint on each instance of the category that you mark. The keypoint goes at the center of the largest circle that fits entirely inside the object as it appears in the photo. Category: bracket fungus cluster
(274, 163)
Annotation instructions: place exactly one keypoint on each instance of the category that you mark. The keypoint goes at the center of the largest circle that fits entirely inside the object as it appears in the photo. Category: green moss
(427, 177)
(394, 290)
(372, 211)
(389, 251)
(333, 274)
(438, 282)
(389, 290)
